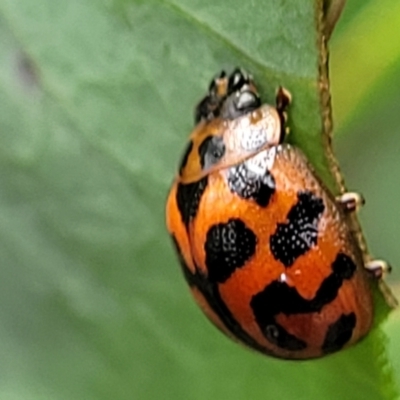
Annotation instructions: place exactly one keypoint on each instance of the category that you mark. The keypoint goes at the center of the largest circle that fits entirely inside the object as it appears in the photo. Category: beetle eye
(247, 101)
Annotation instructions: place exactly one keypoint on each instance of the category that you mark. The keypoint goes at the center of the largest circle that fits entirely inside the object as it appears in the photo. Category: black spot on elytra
(211, 294)
(211, 150)
(339, 333)
(280, 298)
(280, 337)
(343, 266)
(300, 233)
(251, 185)
(185, 156)
(228, 246)
(188, 198)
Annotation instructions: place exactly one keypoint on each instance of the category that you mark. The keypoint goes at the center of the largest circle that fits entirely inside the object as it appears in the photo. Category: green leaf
(96, 103)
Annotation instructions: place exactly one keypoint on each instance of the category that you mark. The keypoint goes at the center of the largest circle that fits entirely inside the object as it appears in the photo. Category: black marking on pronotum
(185, 156)
(280, 298)
(188, 198)
(211, 150)
(251, 185)
(300, 233)
(228, 246)
(211, 294)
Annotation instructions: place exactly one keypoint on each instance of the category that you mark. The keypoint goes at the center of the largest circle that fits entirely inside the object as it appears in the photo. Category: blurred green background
(365, 65)
(365, 82)
(92, 302)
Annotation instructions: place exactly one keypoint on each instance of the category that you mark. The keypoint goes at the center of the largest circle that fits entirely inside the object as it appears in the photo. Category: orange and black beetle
(264, 246)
